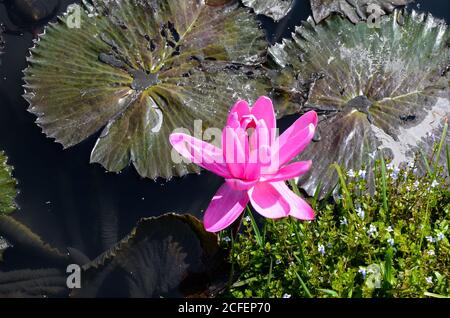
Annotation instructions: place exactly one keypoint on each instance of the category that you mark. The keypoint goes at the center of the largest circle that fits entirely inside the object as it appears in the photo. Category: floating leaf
(276, 9)
(383, 88)
(8, 184)
(355, 10)
(140, 69)
(28, 244)
(167, 256)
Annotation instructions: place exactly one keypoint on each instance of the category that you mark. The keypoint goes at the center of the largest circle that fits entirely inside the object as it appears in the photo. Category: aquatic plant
(355, 10)
(137, 70)
(378, 89)
(276, 9)
(170, 255)
(166, 256)
(254, 162)
(8, 184)
(394, 243)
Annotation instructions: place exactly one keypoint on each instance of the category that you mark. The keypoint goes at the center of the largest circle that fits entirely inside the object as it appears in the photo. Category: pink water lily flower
(254, 161)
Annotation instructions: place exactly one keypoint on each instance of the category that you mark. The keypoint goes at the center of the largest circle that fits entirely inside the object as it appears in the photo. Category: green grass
(399, 249)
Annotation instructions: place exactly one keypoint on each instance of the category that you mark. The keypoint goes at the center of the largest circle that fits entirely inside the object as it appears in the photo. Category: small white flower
(431, 253)
(278, 261)
(416, 184)
(394, 173)
(247, 219)
(415, 170)
(351, 173)
(391, 241)
(344, 221)
(429, 280)
(430, 239)
(362, 174)
(360, 213)
(390, 166)
(440, 236)
(287, 295)
(321, 249)
(411, 164)
(390, 229)
(292, 234)
(226, 239)
(434, 184)
(372, 230)
(373, 154)
(363, 272)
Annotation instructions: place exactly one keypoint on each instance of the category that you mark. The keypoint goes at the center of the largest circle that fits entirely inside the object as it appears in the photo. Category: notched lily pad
(355, 10)
(138, 69)
(167, 256)
(8, 184)
(380, 89)
(276, 9)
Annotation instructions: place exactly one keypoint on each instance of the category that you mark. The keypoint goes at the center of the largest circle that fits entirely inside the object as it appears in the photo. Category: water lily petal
(290, 171)
(263, 109)
(225, 207)
(294, 140)
(240, 109)
(299, 208)
(235, 150)
(201, 153)
(268, 201)
(238, 184)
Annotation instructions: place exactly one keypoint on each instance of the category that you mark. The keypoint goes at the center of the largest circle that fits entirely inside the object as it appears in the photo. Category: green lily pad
(276, 9)
(8, 184)
(355, 10)
(138, 69)
(167, 256)
(380, 89)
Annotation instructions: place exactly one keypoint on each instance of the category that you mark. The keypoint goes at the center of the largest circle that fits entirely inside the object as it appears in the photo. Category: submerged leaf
(167, 256)
(26, 244)
(276, 9)
(30, 267)
(355, 10)
(140, 69)
(379, 89)
(8, 184)
(27, 283)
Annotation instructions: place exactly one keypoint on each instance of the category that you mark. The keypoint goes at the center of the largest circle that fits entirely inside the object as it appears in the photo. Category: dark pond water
(68, 201)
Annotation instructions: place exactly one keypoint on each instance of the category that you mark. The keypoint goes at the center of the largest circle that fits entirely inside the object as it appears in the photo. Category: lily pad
(167, 256)
(355, 10)
(8, 184)
(380, 89)
(276, 9)
(138, 69)
(46, 277)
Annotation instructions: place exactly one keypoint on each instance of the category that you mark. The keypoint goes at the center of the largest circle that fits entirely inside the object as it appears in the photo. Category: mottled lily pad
(138, 69)
(276, 9)
(355, 10)
(167, 256)
(379, 89)
(8, 190)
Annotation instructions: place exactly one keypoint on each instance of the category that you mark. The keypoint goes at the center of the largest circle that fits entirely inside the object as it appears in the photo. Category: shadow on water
(68, 201)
